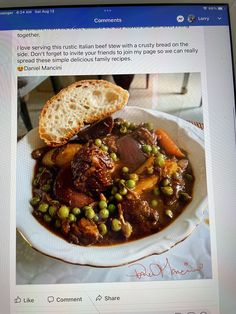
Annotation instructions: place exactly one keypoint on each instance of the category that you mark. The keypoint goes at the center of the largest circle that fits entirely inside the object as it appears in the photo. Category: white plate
(40, 238)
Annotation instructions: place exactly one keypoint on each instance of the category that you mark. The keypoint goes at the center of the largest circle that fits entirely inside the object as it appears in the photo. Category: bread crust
(80, 103)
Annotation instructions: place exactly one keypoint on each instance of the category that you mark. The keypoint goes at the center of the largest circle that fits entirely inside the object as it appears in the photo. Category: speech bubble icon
(50, 299)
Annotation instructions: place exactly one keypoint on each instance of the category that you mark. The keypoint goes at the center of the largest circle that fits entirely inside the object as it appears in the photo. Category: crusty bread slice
(81, 103)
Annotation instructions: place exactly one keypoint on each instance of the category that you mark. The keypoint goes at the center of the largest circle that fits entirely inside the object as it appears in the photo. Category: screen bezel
(138, 4)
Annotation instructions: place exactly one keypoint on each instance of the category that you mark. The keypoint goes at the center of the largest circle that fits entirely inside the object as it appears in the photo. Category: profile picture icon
(191, 18)
(180, 18)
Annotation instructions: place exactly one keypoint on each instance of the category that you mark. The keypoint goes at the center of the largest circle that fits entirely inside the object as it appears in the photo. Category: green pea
(104, 148)
(104, 213)
(114, 190)
(150, 170)
(87, 207)
(169, 213)
(189, 177)
(155, 150)
(89, 212)
(55, 202)
(122, 182)
(166, 182)
(118, 197)
(176, 176)
(134, 176)
(156, 191)
(46, 187)
(52, 210)
(72, 217)
(63, 212)
(76, 211)
(47, 218)
(130, 184)
(50, 181)
(111, 198)
(125, 169)
(123, 191)
(132, 126)
(167, 190)
(185, 196)
(147, 149)
(36, 182)
(149, 126)
(115, 225)
(154, 203)
(119, 121)
(43, 207)
(98, 142)
(57, 223)
(35, 200)
(123, 129)
(127, 124)
(114, 156)
(102, 229)
(102, 204)
(111, 208)
(95, 218)
(160, 161)
(41, 169)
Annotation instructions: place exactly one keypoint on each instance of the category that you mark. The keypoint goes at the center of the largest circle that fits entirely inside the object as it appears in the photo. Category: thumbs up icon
(17, 300)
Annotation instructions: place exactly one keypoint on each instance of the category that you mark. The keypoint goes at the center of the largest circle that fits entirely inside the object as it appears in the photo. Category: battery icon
(220, 8)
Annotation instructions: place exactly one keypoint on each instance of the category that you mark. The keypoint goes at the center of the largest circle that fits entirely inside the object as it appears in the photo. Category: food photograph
(111, 179)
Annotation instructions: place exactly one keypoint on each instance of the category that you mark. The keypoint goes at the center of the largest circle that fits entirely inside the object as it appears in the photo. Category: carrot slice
(168, 144)
(148, 163)
(147, 183)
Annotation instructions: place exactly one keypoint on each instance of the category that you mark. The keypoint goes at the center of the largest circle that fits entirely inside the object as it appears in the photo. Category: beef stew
(129, 183)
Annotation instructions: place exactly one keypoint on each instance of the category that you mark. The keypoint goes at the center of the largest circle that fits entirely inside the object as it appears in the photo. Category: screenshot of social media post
(111, 179)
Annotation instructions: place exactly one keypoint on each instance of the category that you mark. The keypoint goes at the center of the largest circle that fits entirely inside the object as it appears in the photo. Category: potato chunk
(61, 156)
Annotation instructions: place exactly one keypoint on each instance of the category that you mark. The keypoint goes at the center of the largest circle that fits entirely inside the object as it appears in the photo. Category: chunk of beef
(73, 239)
(40, 152)
(43, 177)
(139, 212)
(96, 130)
(65, 191)
(85, 231)
(65, 227)
(144, 136)
(177, 183)
(183, 164)
(111, 141)
(178, 186)
(91, 169)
